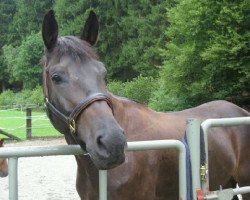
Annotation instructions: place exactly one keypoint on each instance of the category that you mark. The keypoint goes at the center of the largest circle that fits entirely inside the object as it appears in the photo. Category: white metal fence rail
(13, 153)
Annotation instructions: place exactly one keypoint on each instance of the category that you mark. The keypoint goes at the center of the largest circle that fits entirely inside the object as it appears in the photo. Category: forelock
(73, 47)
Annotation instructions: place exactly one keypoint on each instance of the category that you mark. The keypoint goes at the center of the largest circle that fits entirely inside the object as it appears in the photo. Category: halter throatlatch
(72, 118)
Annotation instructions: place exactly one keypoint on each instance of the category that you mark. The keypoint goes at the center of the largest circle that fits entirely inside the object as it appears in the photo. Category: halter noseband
(71, 119)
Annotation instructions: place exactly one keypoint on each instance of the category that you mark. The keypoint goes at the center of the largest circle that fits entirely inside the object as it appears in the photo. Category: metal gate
(194, 127)
(13, 153)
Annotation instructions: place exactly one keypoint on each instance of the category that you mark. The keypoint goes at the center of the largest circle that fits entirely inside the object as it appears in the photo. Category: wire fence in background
(19, 107)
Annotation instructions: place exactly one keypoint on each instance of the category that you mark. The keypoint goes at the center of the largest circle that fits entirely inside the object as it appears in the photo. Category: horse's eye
(56, 78)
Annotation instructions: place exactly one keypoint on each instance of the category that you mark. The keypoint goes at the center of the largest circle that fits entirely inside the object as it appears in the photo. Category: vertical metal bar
(13, 180)
(102, 184)
(193, 140)
(182, 172)
(205, 183)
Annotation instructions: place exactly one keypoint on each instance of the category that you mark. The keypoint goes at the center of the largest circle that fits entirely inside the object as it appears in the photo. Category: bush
(37, 96)
(23, 99)
(139, 89)
(23, 61)
(7, 98)
(164, 100)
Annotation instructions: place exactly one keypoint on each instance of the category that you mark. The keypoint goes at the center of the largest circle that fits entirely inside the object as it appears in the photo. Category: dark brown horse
(81, 108)
(3, 163)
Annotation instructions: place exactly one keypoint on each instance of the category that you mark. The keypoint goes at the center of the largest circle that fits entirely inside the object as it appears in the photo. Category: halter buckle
(72, 126)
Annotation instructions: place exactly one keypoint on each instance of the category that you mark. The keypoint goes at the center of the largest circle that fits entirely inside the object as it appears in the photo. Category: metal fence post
(102, 184)
(13, 180)
(193, 140)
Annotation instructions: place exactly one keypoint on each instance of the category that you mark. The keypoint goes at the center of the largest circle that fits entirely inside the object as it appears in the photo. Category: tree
(23, 61)
(71, 15)
(19, 19)
(27, 18)
(7, 10)
(131, 34)
(207, 56)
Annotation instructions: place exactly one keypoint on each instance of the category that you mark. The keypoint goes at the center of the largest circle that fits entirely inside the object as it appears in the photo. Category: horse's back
(215, 109)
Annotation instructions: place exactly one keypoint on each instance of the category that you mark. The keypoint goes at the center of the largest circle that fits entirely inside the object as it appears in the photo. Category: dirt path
(43, 178)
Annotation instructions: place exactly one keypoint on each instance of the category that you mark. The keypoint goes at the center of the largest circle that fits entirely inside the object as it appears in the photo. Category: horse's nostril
(100, 143)
(110, 145)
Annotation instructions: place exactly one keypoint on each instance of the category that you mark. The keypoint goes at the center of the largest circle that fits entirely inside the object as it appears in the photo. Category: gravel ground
(43, 178)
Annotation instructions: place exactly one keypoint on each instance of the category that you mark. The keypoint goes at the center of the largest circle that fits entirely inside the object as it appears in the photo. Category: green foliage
(25, 97)
(7, 8)
(19, 19)
(199, 49)
(37, 96)
(228, 50)
(163, 99)
(208, 54)
(71, 15)
(23, 61)
(130, 31)
(139, 89)
(6, 98)
(131, 34)
(27, 18)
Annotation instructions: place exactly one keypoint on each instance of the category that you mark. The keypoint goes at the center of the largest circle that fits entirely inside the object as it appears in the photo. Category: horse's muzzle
(109, 150)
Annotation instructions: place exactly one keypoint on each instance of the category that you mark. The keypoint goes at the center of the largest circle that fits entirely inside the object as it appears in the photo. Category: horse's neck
(124, 109)
(131, 115)
(142, 123)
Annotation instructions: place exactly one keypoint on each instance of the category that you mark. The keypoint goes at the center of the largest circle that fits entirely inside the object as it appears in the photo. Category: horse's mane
(135, 103)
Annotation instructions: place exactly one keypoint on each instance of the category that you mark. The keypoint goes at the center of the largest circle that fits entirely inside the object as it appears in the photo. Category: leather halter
(71, 119)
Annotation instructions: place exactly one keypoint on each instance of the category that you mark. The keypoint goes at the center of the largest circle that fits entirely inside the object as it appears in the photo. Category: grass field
(14, 122)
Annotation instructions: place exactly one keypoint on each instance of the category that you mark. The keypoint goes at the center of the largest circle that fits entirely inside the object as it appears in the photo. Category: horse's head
(3, 163)
(74, 86)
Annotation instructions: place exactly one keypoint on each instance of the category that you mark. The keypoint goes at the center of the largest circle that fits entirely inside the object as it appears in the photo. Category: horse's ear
(49, 30)
(91, 28)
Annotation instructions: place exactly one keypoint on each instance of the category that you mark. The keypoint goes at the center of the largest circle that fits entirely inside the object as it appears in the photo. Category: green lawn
(14, 122)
